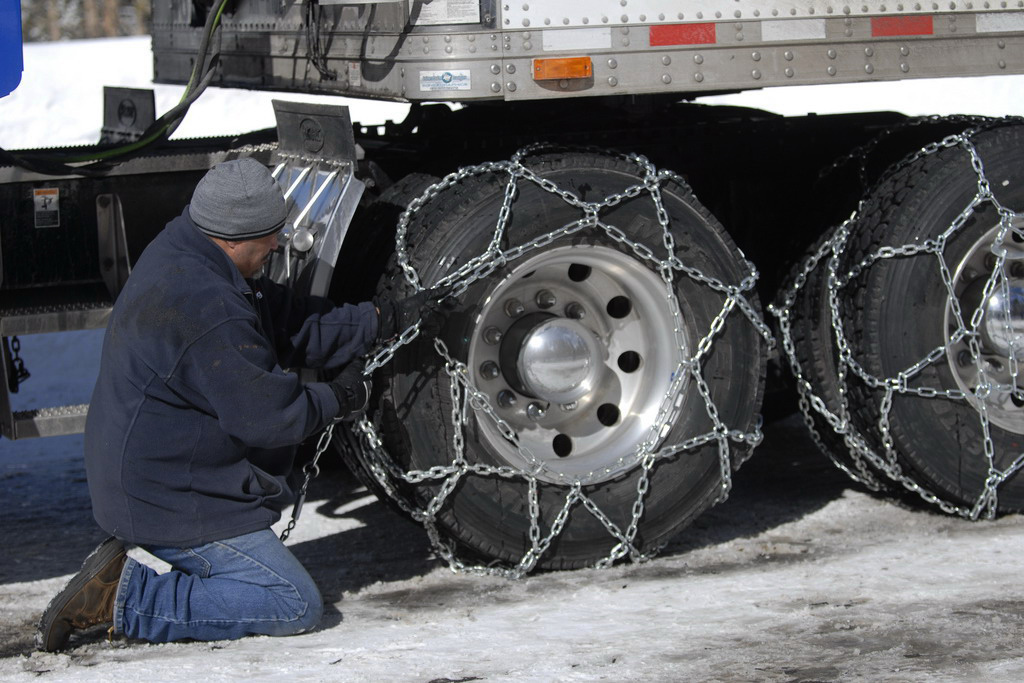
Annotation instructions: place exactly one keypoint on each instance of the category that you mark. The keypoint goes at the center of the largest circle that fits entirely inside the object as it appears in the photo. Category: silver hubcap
(575, 350)
(1000, 331)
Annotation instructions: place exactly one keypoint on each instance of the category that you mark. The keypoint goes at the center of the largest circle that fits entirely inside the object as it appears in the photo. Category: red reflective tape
(920, 25)
(682, 34)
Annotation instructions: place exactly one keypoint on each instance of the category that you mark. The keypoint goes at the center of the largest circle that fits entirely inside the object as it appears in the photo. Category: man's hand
(352, 390)
(398, 316)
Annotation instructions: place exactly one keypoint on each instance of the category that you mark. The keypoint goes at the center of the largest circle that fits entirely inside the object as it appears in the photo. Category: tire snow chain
(466, 398)
(866, 460)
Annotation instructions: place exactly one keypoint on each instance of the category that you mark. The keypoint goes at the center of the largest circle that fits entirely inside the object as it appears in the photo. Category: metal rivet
(737, 14)
(575, 311)
(526, 35)
(526, 22)
(868, 52)
(495, 87)
(527, 45)
(612, 64)
(545, 298)
(643, 17)
(789, 72)
(489, 370)
(511, 68)
(563, 84)
(904, 67)
(756, 56)
(756, 74)
(511, 86)
(869, 69)
(904, 50)
(788, 55)
(612, 81)
(448, 49)
(697, 59)
(447, 39)
(831, 71)
(586, 20)
(1002, 64)
(624, 18)
(625, 42)
(831, 54)
(547, 21)
(698, 77)
(739, 36)
(666, 79)
(1001, 45)
(666, 60)
(565, 21)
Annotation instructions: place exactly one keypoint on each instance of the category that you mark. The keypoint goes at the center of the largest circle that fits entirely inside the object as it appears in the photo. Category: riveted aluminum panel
(576, 13)
(384, 54)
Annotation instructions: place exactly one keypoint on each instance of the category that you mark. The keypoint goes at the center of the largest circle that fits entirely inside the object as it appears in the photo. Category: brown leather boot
(87, 600)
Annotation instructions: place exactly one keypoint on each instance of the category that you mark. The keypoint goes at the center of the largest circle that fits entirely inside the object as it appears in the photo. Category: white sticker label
(47, 207)
(355, 74)
(793, 29)
(436, 81)
(434, 12)
(1000, 23)
(577, 39)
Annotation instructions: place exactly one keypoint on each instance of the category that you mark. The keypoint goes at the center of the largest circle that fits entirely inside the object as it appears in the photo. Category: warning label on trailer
(434, 12)
(47, 207)
(434, 81)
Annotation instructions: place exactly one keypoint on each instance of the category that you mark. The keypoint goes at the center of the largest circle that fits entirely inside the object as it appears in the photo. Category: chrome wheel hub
(575, 349)
(991, 377)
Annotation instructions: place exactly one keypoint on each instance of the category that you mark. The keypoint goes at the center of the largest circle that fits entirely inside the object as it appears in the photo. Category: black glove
(352, 389)
(398, 316)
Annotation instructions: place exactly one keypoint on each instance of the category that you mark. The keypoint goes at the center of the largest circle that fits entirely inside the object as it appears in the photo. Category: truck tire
(816, 359)
(897, 312)
(600, 294)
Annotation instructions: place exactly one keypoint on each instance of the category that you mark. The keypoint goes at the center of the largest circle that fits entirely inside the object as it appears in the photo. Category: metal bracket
(127, 112)
(112, 242)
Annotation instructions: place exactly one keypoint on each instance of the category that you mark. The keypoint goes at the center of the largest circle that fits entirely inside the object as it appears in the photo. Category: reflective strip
(793, 29)
(682, 34)
(920, 25)
(577, 39)
(1000, 22)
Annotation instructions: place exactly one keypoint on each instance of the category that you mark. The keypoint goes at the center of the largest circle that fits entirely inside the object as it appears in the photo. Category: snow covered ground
(797, 577)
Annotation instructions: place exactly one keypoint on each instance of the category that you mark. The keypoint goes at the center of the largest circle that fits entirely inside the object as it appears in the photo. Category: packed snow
(799, 576)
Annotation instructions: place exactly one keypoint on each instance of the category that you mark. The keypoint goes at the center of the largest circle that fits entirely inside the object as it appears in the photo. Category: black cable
(103, 160)
(316, 50)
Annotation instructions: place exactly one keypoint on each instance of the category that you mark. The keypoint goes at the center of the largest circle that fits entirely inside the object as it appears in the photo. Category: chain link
(867, 463)
(469, 403)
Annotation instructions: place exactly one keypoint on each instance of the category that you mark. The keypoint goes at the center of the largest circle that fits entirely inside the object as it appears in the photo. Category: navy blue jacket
(193, 423)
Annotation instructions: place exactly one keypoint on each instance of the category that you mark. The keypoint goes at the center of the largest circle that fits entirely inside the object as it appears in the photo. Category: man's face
(251, 255)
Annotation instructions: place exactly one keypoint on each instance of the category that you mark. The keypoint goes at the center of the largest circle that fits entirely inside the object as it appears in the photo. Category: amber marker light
(562, 67)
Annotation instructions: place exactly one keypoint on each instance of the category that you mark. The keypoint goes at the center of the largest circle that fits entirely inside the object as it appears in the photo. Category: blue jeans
(248, 584)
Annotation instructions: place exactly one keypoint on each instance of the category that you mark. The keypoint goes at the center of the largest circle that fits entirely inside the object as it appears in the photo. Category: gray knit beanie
(238, 200)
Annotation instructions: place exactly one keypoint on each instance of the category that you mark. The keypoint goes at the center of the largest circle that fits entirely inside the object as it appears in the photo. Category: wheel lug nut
(514, 308)
(492, 335)
(506, 399)
(546, 298)
(535, 411)
(575, 311)
(489, 370)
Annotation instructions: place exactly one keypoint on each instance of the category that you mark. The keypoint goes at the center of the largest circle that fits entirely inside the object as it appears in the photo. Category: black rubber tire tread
(368, 245)
(488, 518)
(894, 314)
(817, 355)
(370, 240)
